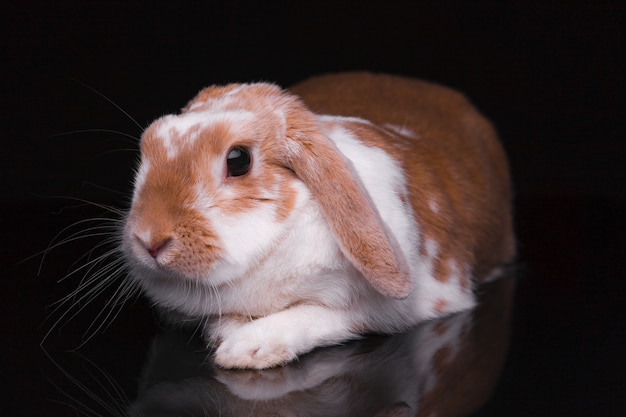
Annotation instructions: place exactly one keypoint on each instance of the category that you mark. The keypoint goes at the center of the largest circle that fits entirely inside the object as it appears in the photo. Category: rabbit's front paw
(250, 347)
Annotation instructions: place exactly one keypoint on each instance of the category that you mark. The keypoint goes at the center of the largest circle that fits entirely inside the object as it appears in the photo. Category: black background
(549, 74)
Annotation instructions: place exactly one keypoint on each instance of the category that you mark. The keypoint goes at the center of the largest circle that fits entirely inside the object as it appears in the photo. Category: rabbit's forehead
(192, 121)
(171, 134)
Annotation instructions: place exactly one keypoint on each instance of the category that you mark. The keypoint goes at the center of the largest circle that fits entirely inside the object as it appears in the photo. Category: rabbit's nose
(156, 247)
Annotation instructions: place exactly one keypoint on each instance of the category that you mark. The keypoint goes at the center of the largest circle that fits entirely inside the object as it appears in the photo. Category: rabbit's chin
(174, 294)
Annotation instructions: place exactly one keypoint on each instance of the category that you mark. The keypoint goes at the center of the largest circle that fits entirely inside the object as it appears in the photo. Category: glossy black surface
(548, 339)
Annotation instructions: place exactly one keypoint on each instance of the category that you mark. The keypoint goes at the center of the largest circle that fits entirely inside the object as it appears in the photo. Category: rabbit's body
(284, 228)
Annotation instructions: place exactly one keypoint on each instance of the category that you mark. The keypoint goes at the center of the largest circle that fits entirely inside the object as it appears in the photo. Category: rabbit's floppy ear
(345, 204)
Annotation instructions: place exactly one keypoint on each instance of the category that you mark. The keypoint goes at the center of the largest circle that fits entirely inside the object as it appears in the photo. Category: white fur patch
(140, 177)
(244, 237)
(401, 130)
(494, 274)
(340, 119)
(176, 131)
(434, 206)
(202, 199)
(222, 101)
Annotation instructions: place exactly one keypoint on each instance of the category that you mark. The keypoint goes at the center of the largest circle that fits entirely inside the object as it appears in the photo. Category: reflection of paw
(249, 347)
(312, 370)
(266, 384)
(277, 376)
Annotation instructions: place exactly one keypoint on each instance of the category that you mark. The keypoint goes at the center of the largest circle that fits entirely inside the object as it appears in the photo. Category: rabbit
(282, 220)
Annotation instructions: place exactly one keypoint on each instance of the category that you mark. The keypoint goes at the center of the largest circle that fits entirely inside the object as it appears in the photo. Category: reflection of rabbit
(444, 367)
(282, 229)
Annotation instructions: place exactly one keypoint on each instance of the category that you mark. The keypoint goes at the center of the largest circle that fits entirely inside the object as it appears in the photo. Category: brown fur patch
(440, 306)
(441, 269)
(287, 202)
(442, 358)
(440, 328)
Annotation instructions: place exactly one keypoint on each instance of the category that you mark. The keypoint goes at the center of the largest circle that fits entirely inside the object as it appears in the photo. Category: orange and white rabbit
(284, 220)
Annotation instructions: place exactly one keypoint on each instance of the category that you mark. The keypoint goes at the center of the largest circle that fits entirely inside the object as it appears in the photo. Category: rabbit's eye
(238, 161)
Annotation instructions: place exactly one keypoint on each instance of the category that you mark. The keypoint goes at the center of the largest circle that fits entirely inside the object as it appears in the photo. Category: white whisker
(93, 263)
(83, 234)
(114, 405)
(119, 295)
(134, 138)
(106, 321)
(80, 409)
(117, 393)
(89, 296)
(103, 272)
(117, 106)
